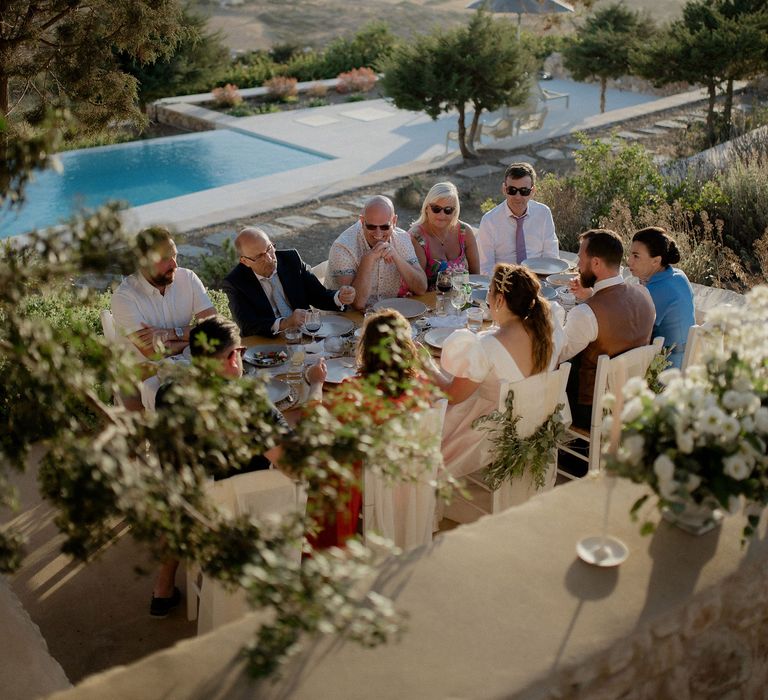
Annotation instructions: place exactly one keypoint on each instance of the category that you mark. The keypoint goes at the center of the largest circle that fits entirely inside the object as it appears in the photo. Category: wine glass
(312, 323)
(459, 298)
(443, 283)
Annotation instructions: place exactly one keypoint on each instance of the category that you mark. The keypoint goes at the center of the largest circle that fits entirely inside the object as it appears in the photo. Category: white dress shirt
(581, 324)
(496, 236)
(136, 302)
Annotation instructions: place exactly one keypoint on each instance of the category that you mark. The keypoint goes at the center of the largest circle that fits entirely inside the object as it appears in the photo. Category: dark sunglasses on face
(524, 191)
(373, 227)
(437, 209)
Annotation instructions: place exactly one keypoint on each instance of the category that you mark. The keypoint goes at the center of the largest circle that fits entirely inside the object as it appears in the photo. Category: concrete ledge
(27, 670)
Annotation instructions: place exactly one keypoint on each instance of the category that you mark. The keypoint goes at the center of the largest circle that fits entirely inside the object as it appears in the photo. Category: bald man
(270, 290)
(376, 257)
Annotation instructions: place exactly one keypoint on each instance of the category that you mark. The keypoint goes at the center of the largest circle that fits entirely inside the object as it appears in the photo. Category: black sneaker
(160, 607)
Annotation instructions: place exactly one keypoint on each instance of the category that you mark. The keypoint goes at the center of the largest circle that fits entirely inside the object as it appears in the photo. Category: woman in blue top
(650, 259)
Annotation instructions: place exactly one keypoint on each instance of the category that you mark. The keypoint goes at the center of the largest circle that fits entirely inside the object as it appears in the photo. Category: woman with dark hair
(526, 342)
(651, 258)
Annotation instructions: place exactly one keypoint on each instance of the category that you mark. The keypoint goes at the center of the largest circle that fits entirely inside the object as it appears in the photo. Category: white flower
(710, 420)
(633, 409)
(732, 400)
(634, 386)
(747, 424)
(668, 489)
(694, 481)
(664, 468)
(632, 449)
(669, 375)
(736, 467)
(761, 419)
(684, 441)
(729, 428)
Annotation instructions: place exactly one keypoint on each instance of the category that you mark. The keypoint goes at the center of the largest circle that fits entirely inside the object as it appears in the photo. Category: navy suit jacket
(249, 304)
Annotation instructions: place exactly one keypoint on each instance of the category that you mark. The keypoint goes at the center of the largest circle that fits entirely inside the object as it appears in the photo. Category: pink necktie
(520, 240)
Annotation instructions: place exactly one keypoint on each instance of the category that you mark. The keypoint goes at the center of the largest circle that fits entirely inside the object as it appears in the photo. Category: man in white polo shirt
(155, 307)
(519, 227)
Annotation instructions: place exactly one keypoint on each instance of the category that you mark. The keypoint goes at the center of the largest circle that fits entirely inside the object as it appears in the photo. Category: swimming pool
(148, 171)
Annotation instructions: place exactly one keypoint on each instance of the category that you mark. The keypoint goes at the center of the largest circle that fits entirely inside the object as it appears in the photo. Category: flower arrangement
(701, 442)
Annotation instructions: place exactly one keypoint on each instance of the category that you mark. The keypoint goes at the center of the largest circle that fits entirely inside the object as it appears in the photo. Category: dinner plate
(436, 336)
(335, 325)
(479, 295)
(562, 279)
(266, 355)
(359, 332)
(277, 390)
(545, 266)
(571, 258)
(339, 370)
(410, 308)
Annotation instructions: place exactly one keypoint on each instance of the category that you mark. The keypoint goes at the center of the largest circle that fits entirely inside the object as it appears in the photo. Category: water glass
(296, 357)
(292, 335)
(335, 345)
(441, 304)
(475, 319)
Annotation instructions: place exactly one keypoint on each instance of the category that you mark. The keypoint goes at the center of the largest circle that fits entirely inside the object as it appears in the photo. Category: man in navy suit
(270, 289)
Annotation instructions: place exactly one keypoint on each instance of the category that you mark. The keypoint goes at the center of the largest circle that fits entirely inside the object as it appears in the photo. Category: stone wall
(503, 608)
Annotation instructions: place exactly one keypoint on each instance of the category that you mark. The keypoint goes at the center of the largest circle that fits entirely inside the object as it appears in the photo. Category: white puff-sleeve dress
(483, 359)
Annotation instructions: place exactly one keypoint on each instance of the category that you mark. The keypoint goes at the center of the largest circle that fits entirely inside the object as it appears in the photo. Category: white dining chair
(321, 271)
(404, 512)
(257, 494)
(610, 376)
(701, 340)
(534, 400)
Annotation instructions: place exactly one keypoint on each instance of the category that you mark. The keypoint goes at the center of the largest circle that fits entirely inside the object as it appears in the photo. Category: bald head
(379, 204)
(256, 250)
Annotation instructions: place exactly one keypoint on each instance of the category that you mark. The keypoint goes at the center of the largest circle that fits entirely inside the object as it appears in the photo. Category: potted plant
(700, 443)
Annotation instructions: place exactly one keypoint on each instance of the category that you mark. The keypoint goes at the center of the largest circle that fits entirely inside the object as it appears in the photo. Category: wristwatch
(179, 331)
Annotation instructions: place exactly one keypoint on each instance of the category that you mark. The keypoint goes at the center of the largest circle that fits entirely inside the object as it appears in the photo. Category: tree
(481, 65)
(194, 66)
(602, 46)
(64, 52)
(714, 43)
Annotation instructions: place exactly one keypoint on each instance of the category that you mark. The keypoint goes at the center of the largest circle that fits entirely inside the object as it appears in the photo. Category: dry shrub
(317, 90)
(569, 209)
(356, 80)
(282, 87)
(227, 96)
(704, 257)
(761, 256)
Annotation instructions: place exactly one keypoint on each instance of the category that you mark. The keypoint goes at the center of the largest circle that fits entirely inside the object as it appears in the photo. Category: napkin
(316, 347)
(459, 321)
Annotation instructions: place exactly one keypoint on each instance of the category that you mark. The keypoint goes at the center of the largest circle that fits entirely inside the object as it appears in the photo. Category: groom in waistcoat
(615, 317)
(270, 290)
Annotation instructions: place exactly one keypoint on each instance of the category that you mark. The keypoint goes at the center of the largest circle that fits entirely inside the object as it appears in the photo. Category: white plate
(271, 359)
(479, 295)
(359, 332)
(571, 258)
(614, 554)
(562, 279)
(545, 266)
(436, 336)
(338, 371)
(335, 325)
(277, 390)
(410, 308)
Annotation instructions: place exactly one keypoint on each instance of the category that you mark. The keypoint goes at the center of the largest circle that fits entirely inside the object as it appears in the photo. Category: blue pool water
(148, 171)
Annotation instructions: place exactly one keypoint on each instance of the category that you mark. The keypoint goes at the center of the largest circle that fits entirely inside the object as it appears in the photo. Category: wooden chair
(404, 512)
(535, 399)
(611, 375)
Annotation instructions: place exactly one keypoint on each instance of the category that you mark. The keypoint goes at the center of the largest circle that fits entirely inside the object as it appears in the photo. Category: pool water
(148, 171)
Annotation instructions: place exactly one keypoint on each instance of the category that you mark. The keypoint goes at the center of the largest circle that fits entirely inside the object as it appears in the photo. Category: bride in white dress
(526, 342)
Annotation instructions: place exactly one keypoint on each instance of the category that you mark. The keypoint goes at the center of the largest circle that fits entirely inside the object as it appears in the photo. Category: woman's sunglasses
(436, 209)
(524, 191)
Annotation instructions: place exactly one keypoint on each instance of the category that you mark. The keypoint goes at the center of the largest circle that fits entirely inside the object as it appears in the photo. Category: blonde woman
(441, 241)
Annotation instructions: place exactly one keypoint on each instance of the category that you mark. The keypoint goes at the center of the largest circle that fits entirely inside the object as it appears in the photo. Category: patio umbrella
(521, 7)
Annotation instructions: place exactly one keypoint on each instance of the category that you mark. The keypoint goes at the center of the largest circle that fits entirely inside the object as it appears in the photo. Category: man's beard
(587, 279)
(163, 280)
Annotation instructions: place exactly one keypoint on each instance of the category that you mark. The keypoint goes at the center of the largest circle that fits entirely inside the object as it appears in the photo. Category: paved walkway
(374, 142)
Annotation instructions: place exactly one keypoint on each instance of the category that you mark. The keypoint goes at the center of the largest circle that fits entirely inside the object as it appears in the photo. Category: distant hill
(259, 24)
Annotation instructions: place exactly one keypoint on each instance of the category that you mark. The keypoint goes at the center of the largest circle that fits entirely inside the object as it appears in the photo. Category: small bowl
(566, 297)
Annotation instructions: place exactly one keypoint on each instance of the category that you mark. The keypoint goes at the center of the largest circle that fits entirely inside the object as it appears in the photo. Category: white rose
(736, 467)
(632, 448)
(710, 420)
(669, 375)
(761, 419)
(684, 441)
(633, 386)
(668, 489)
(633, 409)
(730, 428)
(732, 400)
(694, 481)
(664, 468)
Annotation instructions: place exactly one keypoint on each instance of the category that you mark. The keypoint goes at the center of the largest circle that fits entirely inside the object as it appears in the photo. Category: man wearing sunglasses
(376, 257)
(519, 227)
(269, 290)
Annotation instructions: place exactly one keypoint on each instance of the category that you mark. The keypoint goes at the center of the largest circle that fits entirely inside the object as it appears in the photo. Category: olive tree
(602, 46)
(481, 66)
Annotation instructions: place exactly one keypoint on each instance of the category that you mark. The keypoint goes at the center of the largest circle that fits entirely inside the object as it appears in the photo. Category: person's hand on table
(579, 291)
(346, 294)
(296, 319)
(317, 373)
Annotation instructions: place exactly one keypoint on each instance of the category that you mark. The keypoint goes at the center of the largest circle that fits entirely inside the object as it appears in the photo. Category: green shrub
(306, 66)
(570, 209)
(355, 98)
(250, 70)
(67, 308)
(213, 268)
(318, 102)
(373, 43)
(616, 170)
(487, 204)
(220, 302)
